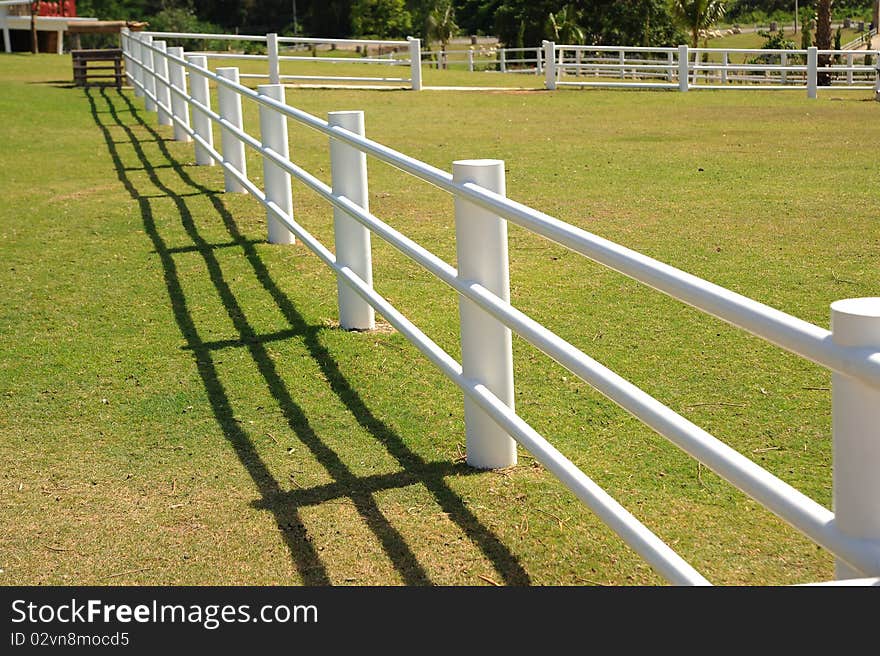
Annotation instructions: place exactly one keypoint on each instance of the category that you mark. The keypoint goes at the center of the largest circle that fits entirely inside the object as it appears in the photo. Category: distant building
(53, 20)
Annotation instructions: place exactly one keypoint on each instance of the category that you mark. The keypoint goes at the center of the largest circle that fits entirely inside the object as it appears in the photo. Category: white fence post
(124, 45)
(7, 41)
(855, 420)
(549, 64)
(812, 73)
(877, 79)
(138, 51)
(621, 59)
(201, 123)
(272, 50)
(539, 65)
(415, 63)
(163, 93)
(179, 105)
(348, 172)
(273, 135)
(725, 61)
(149, 73)
(232, 148)
(486, 344)
(470, 60)
(133, 48)
(670, 62)
(849, 72)
(502, 61)
(577, 62)
(783, 60)
(683, 68)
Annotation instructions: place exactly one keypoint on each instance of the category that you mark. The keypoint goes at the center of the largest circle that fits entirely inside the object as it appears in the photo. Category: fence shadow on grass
(285, 504)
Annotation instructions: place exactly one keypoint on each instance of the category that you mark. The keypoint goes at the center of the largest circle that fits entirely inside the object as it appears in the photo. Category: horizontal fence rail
(851, 350)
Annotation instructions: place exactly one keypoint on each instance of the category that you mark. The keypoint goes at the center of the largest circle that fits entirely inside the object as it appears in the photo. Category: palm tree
(696, 15)
(441, 25)
(823, 39)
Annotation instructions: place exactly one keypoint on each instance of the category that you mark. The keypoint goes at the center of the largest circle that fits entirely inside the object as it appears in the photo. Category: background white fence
(487, 58)
(405, 54)
(178, 87)
(685, 68)
(863, 39)
(680, 68)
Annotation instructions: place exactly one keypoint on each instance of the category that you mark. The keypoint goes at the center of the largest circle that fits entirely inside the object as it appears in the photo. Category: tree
(476, 16)
(328, 18)
(637, 22)
(429, 16)
(823, 38)
(441, 25)
(697, 15)
(564, 27)
(806, 35)
(380, 18)
(520, 23)
(603, 22)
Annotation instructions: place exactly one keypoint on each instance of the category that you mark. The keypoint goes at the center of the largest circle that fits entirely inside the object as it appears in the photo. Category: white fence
(176, 86)
(685, 68)
(487, 58)
(859, 41)
(681, 68)
(399, 53)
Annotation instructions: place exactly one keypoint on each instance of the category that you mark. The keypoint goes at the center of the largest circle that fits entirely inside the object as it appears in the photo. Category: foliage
(440, 23)
(477, 16)
(697, 15)
(380, 18)
(806, 36)
(521, 23)
(515, 22)
(175, 19)
(641, 22)
(764, 11)
(776, 41)
(178, 19)
(772, 41)
(121, 9)
(563, 26)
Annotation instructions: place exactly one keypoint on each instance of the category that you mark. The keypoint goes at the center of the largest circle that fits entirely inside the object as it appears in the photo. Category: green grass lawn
(177, 407)
(755, 40)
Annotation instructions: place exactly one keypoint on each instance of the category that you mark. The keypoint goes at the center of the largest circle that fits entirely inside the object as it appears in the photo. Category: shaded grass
(178, 408)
